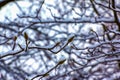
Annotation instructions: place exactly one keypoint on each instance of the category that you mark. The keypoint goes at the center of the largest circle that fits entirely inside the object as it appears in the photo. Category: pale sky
(10, 10)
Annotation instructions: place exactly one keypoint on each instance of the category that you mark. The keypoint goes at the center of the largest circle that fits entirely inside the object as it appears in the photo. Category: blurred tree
(61, 40)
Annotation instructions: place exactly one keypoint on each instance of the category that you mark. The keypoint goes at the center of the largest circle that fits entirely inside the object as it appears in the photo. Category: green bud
(71, 39)
(46, 74)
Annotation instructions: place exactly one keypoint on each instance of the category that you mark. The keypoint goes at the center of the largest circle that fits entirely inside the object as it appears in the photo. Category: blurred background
(59, 40)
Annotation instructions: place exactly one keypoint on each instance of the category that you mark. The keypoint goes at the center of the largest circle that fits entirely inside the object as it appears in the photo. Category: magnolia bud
(61, 62)
(25, 36)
